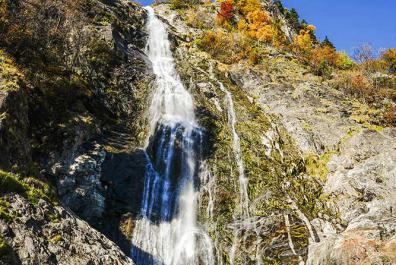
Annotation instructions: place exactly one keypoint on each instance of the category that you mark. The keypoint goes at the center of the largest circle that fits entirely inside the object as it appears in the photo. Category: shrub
(247, 6)
(226, 12)
(343, 61)
(322, 59)
(226, 47)
(181, 4)
(4, 248)
(196, 18)
(303, 43)
(390, 115)
(10, 183)
(389, 57)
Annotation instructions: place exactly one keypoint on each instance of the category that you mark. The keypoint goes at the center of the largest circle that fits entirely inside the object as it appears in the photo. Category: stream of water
(167, 232)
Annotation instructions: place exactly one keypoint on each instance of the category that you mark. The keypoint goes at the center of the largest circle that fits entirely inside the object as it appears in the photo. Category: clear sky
(348, 23)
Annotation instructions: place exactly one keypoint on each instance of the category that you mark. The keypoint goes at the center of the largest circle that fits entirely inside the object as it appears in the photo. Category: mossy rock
(31, 188)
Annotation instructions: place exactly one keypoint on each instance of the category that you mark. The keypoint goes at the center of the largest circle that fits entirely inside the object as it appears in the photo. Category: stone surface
(48, 234)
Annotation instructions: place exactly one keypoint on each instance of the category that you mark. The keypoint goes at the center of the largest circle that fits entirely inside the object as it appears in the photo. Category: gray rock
(48, 234)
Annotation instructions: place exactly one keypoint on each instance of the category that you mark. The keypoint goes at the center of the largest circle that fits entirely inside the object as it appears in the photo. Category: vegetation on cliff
(249, 30)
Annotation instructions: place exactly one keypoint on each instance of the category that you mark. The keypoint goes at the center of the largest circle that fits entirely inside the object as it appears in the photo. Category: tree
(389, 56)
(303, 43)
(327, 42)
(322, 59)
(343, 61)
(363, 53)
(294, 19)
(247, 6)
(279, 6)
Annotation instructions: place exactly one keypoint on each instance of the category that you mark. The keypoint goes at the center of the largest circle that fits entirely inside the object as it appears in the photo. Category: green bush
(344, 62)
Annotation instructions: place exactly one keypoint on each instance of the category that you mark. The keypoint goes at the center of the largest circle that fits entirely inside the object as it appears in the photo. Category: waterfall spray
(167, 233)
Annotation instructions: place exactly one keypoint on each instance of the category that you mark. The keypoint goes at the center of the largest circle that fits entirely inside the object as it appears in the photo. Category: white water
(167, 233)
(242, 216)
(236, 146)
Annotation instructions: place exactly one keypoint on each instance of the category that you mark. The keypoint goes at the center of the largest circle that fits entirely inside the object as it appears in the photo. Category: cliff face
(72, 103)
(74, 91)
(321, 177)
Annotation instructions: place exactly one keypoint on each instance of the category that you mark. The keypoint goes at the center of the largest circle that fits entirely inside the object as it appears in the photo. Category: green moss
(11, 183)
(56, 239)
(5, 213)
(31, 188)
(317, 165)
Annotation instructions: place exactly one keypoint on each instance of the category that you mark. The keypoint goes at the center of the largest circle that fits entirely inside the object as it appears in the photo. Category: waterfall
(236, 146)
(167, 233)
(242, 216)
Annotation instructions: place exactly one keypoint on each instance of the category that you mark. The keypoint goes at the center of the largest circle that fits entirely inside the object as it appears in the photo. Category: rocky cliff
(321, 180)
(74, 86)
(74, 90)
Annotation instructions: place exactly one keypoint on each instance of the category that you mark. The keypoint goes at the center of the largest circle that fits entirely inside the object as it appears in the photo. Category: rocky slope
(71, 104)
(321, 176)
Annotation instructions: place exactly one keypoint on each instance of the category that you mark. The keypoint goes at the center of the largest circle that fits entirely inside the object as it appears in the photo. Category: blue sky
(348, 23)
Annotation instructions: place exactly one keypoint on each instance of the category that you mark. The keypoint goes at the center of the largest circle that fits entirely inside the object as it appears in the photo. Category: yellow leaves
(258, 25)
(258, 18)
(254, 21)
(248, 6)
(302, 43)
(343, 61)
(311, 28)
(242, 25)
(265, 33)
(389, 57)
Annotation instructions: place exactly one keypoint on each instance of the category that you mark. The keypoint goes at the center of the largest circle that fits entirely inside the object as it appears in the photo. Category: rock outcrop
(71, 124)
(48, 234)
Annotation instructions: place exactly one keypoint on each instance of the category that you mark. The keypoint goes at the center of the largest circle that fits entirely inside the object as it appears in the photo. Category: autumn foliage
(303, 43)
(389, 57)
(226, 12)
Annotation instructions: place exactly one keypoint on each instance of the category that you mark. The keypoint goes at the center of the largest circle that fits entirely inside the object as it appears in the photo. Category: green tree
(294, 19)
(279, 6)
(327, 42)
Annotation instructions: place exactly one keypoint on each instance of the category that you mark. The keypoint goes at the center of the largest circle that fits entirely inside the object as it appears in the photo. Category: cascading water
(241, 217)
(167, 233)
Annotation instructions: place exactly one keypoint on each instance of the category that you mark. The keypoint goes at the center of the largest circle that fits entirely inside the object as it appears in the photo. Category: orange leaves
(303, 44)
(390, 115)
(325, 54)
(311, 28)
(226, 12)
(257, 25)
(253, 21)
(257, 19)
(265, 34)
